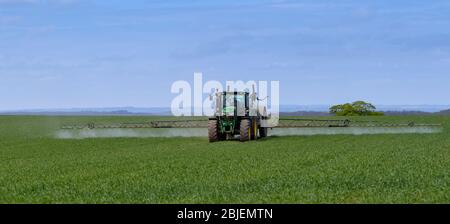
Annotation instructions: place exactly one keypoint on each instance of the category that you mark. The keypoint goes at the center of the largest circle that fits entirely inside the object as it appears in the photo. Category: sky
(111, 53)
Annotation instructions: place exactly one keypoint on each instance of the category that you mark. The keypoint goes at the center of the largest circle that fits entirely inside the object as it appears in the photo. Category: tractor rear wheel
(262, 132)
(245, 130)
(254, 130)
(213, 131)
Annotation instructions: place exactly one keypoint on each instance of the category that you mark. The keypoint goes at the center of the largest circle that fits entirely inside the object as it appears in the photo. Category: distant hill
(387, 113)
(407, 113)
(305, 113)
(118, 111)
(318, 110)
(76, 113)
(444, 112)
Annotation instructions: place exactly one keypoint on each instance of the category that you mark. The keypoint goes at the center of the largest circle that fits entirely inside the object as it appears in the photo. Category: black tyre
(213, 131)
(254, 130)
(245, 130)
(262, 132)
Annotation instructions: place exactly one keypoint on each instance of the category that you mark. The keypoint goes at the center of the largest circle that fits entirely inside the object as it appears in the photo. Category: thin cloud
(38, 2)
(7, 20)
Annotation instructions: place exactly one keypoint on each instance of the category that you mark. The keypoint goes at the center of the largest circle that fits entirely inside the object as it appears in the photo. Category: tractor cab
(232, 104)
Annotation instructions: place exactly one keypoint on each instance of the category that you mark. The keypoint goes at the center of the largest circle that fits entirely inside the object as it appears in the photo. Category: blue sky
(87, 53)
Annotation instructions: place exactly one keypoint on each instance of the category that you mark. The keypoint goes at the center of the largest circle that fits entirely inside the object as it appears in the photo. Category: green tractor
(236, 114)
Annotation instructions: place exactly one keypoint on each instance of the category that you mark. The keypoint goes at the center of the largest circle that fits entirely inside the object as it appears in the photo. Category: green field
(36, 167)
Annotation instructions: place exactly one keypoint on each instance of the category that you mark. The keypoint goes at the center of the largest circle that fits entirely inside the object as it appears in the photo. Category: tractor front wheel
(245, 130)
(213, 131)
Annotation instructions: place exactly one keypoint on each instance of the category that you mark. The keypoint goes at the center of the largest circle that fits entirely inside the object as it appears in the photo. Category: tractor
(241, 114)
(237, 114)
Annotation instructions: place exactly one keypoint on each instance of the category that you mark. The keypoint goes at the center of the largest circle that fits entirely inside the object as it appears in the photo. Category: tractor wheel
(262, 132)
(254, 130)
(213, 131)
(245, 130)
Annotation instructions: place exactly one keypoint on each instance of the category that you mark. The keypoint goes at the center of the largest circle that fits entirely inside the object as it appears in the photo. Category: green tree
(362, 108)
(358, 108)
